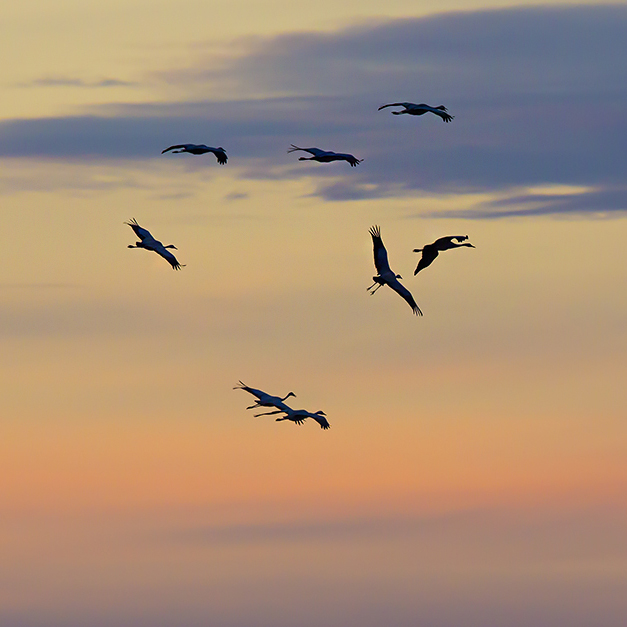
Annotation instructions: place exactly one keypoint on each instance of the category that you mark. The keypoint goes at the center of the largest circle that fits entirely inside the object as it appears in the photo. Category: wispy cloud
(38, 176)
(482, 523)
(599, 203)
(236, 196)
(67, 81)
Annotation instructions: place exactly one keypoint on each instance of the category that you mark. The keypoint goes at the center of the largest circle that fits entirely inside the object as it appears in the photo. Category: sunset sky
(475, 474)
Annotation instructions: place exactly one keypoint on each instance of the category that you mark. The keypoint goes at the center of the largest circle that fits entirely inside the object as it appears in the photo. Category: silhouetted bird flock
(385, 275)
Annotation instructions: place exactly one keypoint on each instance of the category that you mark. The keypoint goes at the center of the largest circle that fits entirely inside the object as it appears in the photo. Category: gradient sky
(475, 474)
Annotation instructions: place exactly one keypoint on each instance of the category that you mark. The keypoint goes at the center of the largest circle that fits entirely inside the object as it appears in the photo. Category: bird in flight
(199, 149)
(419, 109)
(385, 275)
(299, 416)
(264, 399)
(326, 156)
(148, 242)
(431, 251)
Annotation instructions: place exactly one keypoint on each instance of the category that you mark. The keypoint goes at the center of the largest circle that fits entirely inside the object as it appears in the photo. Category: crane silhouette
(148, 242)
(419, 109)
(299, 416)
(386, 276)
(263, 398)
(326, 156)
(199, 149)
(431, 251)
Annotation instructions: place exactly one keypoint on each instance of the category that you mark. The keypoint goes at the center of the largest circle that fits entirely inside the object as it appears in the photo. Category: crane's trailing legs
(269, 413)
(376, 285)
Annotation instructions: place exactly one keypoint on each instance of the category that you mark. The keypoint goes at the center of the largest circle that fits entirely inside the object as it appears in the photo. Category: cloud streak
(602, 203)
(68, 81)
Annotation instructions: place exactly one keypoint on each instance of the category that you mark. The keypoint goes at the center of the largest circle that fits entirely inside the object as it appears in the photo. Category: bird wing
(295, 415)
(428, 256)
(185, 146)
(279, 403)
(253, 391)
(142, 233)
(316, 152)
(321, 420)
(220, 155)
(448, 240)
(441, 111)
(406, 294)
(169, 257)
(344, 156)
(380, 254)
(407, 105)
(264, 397)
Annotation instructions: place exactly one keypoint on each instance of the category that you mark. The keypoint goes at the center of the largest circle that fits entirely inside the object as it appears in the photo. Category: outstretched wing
(316, 152)
(321, 420)
(380, 254)
(428, 256)
(441, 111)
(184, 146)
(407, 105)
(253, 391)
(220, 155)
(448, 240)
(139, 231)
(344, 156)
(169, 257)
(406, 294)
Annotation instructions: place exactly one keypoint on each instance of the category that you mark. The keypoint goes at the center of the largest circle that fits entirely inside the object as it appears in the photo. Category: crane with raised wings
(385, 275)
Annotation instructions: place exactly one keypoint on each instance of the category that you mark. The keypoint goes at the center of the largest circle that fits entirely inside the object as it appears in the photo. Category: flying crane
(148, 242)
(385, 275)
